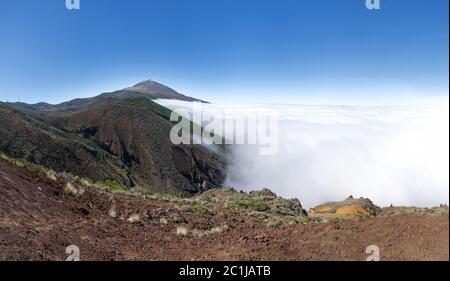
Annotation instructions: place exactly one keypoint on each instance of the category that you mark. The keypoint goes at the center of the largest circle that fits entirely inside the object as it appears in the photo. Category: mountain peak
(155, 89)
(148, 82)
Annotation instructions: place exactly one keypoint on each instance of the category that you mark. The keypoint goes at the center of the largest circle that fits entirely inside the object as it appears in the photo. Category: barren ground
(38, 220)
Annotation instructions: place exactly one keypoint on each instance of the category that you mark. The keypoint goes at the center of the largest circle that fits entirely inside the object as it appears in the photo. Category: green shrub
(273, 223)
(252, 204)
(112, 186)
(201, 208)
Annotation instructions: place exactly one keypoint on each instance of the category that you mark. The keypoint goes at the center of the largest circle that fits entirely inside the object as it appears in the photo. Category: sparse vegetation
(111, 186)
(187, 208)
(163, 221)
(201, 208)
(112, 211)
(181, 231)
(262, 204)
(441, 210)
(51, 175)
(134, 218)
(70, 189)
(218, 229)
(213, 231)
(251, 204)
(21, 162)
(273, 222)
(177, 218)
(138, 217)
(261, 215)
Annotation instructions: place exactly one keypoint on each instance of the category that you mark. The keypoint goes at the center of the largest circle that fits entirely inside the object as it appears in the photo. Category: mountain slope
(39, 218)
(122, 137)
(148, 89)
(23, 136)
(138, 131)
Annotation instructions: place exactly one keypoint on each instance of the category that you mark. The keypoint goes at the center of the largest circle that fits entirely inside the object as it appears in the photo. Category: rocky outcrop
(263, 204)
(348, 208)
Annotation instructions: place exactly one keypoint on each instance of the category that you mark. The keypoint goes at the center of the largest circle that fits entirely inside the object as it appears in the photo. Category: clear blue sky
(226, 50)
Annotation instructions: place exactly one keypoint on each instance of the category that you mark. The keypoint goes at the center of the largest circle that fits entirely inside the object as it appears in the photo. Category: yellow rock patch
(353, 210)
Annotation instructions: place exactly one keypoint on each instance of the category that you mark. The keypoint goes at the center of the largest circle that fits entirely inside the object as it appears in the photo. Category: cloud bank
(392, 154)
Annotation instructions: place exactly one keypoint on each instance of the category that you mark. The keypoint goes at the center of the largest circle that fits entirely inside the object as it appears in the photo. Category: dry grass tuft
(181, 231)
(134, 218)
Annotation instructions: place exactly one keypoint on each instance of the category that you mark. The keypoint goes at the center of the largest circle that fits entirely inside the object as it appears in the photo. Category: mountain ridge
(122, 137)
(148, 88)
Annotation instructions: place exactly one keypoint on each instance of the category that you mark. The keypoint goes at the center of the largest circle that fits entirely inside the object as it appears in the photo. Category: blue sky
(303, 51)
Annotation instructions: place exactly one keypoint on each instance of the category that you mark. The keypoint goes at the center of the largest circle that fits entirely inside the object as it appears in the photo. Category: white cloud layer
(390, 154)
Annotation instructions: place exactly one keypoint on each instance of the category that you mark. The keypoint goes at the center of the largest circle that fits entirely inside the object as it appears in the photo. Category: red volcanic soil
(38, 220)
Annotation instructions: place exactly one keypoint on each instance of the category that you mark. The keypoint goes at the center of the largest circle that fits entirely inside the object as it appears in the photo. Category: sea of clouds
(391, 154)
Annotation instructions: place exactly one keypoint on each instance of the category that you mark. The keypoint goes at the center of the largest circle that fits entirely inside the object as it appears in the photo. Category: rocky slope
(42, 213)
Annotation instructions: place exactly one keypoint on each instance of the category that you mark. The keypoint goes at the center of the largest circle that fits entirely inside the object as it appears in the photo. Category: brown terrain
(42, 212)
(119, 139)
